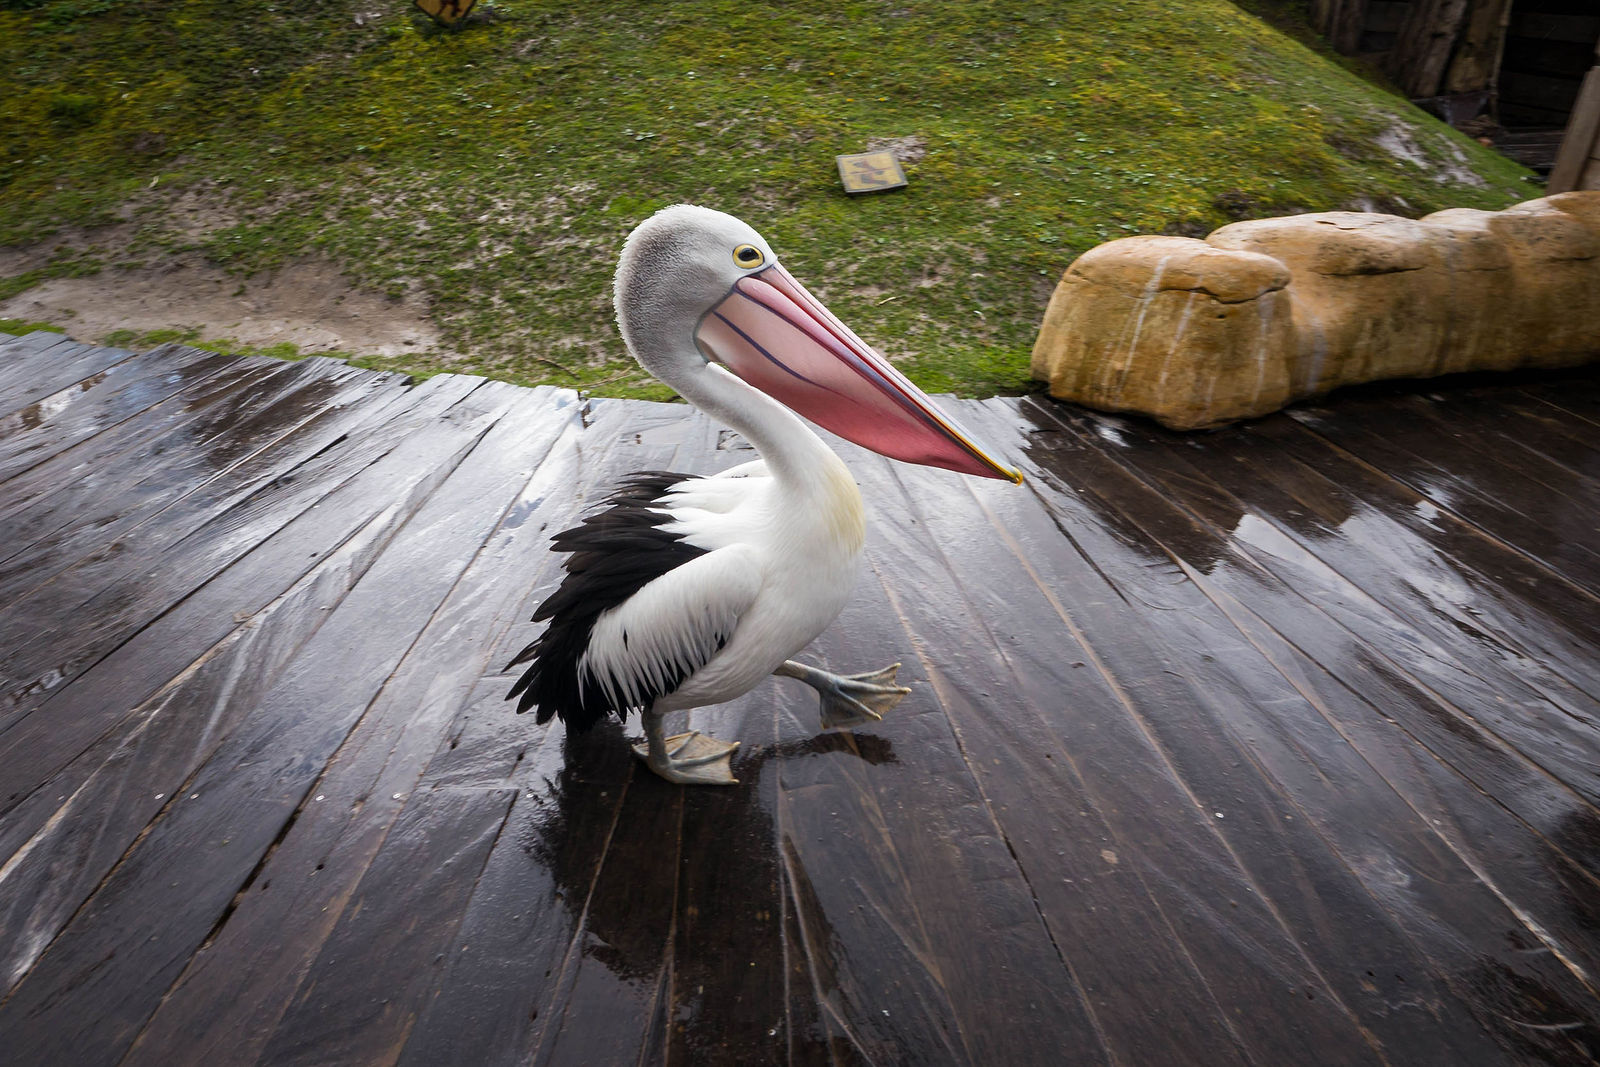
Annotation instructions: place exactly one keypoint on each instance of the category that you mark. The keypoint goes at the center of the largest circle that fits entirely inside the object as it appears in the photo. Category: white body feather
(780, 562)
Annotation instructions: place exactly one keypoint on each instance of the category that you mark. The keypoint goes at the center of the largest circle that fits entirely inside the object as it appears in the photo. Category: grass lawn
(495, 169)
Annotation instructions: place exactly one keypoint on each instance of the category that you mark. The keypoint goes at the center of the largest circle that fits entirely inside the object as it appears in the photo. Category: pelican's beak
(772, 333)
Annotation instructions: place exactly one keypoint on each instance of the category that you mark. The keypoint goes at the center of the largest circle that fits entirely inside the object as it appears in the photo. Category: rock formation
(1262, 313)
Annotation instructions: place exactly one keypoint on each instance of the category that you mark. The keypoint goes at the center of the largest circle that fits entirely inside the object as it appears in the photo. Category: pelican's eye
(748, 256)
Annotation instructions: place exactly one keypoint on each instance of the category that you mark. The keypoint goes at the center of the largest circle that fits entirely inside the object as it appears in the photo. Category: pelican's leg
(689, 759)
(849, 699)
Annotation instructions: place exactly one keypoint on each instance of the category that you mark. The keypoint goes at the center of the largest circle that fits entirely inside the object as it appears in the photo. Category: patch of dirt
(906, 149)
(308, 304)
(1400, 142)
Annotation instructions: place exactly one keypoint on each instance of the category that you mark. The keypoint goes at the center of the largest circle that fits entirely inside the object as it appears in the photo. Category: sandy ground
(308, 304)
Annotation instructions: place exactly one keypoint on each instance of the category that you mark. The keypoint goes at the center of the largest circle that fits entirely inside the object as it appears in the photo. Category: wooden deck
(1275, 745)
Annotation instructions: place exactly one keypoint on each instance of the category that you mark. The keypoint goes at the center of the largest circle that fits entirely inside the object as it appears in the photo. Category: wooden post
(1422, 52)
(1476, 62)
(1340, 21)
(1578, 161)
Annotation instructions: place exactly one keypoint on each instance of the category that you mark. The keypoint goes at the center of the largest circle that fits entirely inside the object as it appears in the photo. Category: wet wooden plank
(1472, 908)
(728, 999)
(494, 1003)
(297, 773)
(673, 1006)
(115, 532)
(233, 993)
(114, 608)
(861, 848)
(32, 492)
(1575, 395)
(256, 781)
(611, 995)
(1063, 745)
(21, 360)
(484, 744)
(1378, 571)
(1463, 466)
(1511, 418)
(297, 888)
(170, 744)
(105, 505)
(528, 915)
(91, 406)
(95, 484)
(607, 995)
(889, 840)
(240, 440)
(220, 578)
(40, 364)
(60, 842)
(531, 904)
(428, 867)
(1437, 577)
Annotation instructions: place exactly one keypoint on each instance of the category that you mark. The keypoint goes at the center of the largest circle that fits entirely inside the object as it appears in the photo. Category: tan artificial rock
(1553, 302)
(1199, 333)
(1168, 326)
(1363, 303)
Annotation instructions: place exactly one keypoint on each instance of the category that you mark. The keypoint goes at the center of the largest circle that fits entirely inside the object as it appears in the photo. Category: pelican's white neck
(794, 454)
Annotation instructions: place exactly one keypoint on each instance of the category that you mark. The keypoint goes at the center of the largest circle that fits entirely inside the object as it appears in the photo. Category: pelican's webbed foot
(849, 699)
(688, 759)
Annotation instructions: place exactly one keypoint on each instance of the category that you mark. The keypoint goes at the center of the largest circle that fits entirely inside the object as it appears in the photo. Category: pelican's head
(690, 270)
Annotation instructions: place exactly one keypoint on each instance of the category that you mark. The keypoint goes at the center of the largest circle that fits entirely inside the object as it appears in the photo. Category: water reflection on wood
(1276, 744)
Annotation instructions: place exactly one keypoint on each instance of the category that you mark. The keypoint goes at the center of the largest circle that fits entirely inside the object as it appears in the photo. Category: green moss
(495, 169)
(18, 327)
(228, 346)
(151, 338)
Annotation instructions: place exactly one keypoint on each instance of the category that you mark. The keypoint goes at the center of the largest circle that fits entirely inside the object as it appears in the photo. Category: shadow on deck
(1273, 745)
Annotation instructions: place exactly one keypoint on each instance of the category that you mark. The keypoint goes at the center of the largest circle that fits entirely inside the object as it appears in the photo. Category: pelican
(683, 591)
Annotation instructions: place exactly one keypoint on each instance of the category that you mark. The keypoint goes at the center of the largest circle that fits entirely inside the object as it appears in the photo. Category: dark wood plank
(1455, 915)
(429, 866)
(1576, 395)
(880, 861)
(296, 886)
(1385, 573)
(155, 750)
(257, 780)
(229, 571)
(611, 996)
(1532, 426)
(902, 881)
(727, 995)
(113, 604)
(160, 747)
(1223, 747)
(484, 744)
(104, 510)
(606, 996)
(41, 364)
(1074, 745)
(31, 493)
(1465, 466)
(1438, 576)
(494, 1004)
(62, 840)
(231, 996)
(528, 918)
(91, 406)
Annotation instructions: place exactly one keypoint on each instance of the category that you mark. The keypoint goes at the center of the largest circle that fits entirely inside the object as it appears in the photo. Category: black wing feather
(614, 553)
